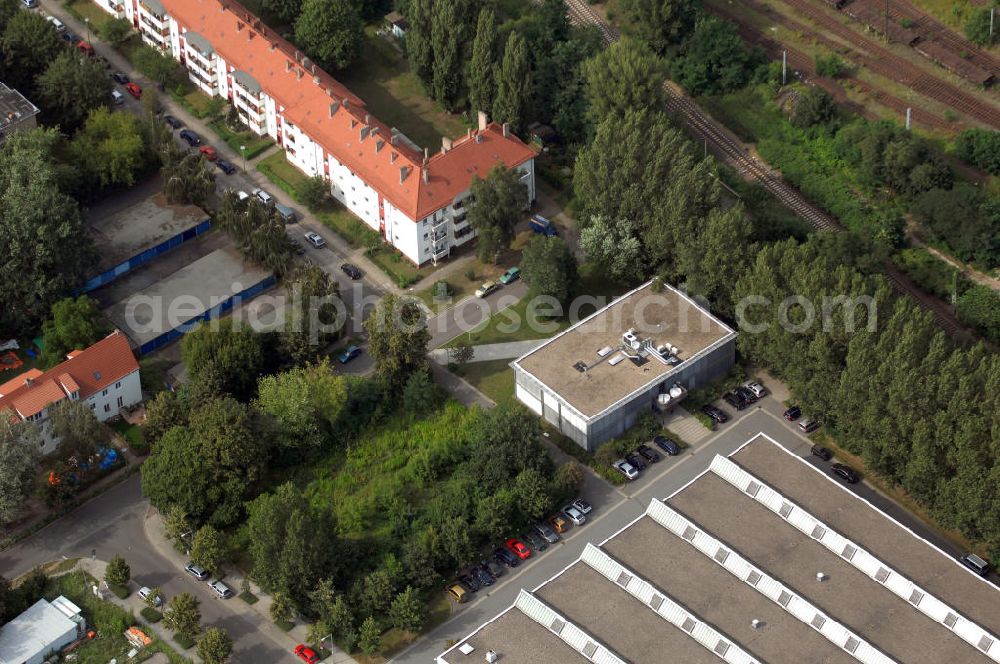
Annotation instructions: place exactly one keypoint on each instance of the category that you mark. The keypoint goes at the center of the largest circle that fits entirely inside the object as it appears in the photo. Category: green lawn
(383, 80)
(85, 9)
(132, 433)
(108, 620)
(200, 105)
(494, 378)
(253, 143)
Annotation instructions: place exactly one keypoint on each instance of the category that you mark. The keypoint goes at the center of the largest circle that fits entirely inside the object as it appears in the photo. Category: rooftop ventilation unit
(616, 359)
(581, 367)
(492, 656)
(604, 351)
(631, 340)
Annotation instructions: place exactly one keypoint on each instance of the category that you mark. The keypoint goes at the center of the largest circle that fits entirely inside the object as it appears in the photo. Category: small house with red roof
(414, 197)
(105, 376)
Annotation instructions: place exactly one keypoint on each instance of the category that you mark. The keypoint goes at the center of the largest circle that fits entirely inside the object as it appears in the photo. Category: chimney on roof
(446, 144)
(368, 119)
(506, 130)
(427, 175)
(306, 62)
(316, 80)
(28, 382)
(403, 172)
(483, 120)
(298, 56)
(333, 108)
(223, 7)
(298, 74)
(479, 138)
(346, 102)
(468, 134)
(393, 139)
(427, 154)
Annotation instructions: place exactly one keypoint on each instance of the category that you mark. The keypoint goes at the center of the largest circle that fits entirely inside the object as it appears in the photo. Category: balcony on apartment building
(153, 13)
(246, 98)
(200, 52)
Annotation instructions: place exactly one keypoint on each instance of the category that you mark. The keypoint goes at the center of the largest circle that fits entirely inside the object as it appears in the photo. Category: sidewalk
(258, 614)
(487, 352)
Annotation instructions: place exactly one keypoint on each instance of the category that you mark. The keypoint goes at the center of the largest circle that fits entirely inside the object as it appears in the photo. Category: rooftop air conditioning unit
(491, 656)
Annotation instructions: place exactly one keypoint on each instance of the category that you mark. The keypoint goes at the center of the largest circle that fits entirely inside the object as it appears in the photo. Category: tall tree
(330, 31)
(75, 325)
(661, 23)
(549, 268)
(215, 646)
(481, 74)
(69, 88)
(109, 147)
(183, 615)
(513, 83)
(370, 636)
(499, 203)
(43, 239)
(313, 320)
(407, 612)
(397, 339)
(19, 445)
(76, 427)
(118, 571)
(419, 44)
(187, 178)
(28, 45)
(446, 28)
(209, 549)
(715, 59)
(233, 353)
(306, 402)
(625, 76)
(615, 247)
(285, 11)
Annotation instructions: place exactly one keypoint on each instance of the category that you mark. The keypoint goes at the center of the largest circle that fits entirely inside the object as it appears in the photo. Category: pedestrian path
(685, 425)
(487, 352)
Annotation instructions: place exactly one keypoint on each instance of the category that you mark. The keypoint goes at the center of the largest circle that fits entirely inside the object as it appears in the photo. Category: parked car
(559, 523)
(493, 567)
(56, 23)
(30, 4)
(196, 571)
(351, 270)
(667, 445)
(221, 589)
(583, 506)
(511, 275)
(134, 90)
(85, 48)
(306, 654)
(808, 425)
(117, 97)
(717, 414)
(468, 582)
(749, 396)
(242, 195)
(626, 469)
(263, 196)
(574, 515)
(173, 122)
(734, 401)
(120, 78)
(637, 462)
(349, 354)
(69, 37)
(286, 213)
(315, 239)
(482, 576)
(534, 541)
(647, 453)
(506, 557)
(209, 152)
(144, 594)
(976, 564)
(821, 452)
(487, 288)
(518, 548)
(756, 388)
(457, 593)
(845, 473)
(225, 166)
(792, 413)
(190, 137)
(546, 532)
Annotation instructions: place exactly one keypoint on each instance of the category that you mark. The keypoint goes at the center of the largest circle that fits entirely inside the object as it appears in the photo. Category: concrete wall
(590, 434)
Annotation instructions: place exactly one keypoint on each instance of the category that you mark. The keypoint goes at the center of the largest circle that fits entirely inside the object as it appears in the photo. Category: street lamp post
(87, 21)
(243, 151)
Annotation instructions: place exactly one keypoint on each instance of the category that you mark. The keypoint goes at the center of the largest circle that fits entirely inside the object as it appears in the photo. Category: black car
(821, 452)
(482, 575)
(845, 473)
(173, 122)
(748, 396)
(506, 557)
(667, 445)
(716, 414)
(734, 401)
(190, 137)
(793, 413)
(636, 461)
(534, 541)
(647, 453)
(120, 77)
(351, 270)
(493, 567)
(468, 582)
(225, 166)
(70, 37)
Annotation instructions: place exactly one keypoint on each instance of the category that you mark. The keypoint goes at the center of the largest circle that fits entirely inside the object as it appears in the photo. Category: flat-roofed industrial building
(761, 558)
(595, 379)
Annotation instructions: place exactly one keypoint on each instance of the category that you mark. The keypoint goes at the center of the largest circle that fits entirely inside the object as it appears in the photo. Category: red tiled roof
(335, 118)
(89, 371)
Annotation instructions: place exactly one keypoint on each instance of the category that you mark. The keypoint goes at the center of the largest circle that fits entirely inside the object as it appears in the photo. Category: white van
(56, 23)
(117, 97)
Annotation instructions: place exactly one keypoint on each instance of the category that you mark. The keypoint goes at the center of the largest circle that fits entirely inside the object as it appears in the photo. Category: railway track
(887, 64)
(734, 153)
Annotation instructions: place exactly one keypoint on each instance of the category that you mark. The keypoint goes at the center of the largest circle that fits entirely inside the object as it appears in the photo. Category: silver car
(626, 469)
(221, 589)
(196, 571)
(144, 593)
(546, 532)
(574, 515)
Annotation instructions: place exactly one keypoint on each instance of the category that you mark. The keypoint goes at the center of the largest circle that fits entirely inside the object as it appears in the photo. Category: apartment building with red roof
(105, 376)
(414, 199)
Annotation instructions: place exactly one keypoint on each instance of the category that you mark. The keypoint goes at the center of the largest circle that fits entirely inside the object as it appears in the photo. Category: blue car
(349, 354)
(225, 166)
(190, 137)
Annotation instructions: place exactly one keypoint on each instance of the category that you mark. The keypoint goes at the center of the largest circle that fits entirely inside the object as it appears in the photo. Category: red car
(209, 152)
(134, 90)
(86, 48)
(518, 548)
(306, 654)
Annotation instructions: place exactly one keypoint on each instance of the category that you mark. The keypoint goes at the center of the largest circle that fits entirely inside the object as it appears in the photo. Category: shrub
(830, 65)
(184, 641)
(151, 615)
(314, 193)
(814, 106)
